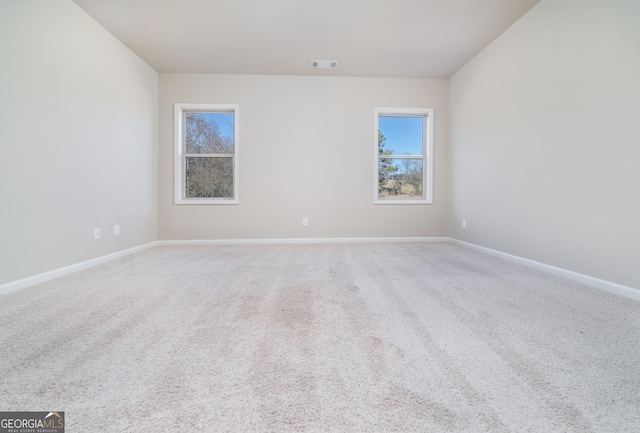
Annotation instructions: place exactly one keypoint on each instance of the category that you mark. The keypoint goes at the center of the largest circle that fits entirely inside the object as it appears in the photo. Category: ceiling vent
(324, 64)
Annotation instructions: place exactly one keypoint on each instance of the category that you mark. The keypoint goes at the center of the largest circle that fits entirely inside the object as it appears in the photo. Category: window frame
(427, 153)
(180, 155)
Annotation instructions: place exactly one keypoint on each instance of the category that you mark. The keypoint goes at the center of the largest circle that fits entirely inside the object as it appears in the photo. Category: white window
(403, 156)
(206, 154)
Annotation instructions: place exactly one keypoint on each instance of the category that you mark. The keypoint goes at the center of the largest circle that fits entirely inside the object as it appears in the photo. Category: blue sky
(224, 121)
(403, 134)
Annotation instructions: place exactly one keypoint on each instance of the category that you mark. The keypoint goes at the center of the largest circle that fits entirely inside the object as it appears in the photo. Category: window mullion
(209, 155)
(400, 156)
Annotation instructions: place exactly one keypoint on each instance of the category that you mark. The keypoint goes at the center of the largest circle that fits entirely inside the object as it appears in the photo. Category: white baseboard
(609, 286)
(50, 275)
(300, 241)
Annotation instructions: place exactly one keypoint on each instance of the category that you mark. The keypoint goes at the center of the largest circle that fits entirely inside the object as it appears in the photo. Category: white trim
(299, 241)
(618, 289)
(60, 272)
(178, 181)
(427, 153)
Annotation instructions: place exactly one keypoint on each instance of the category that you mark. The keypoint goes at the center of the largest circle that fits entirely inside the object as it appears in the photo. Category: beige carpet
(415, 337)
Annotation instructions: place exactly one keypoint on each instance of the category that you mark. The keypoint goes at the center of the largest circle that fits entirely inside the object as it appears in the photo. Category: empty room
(319, 216)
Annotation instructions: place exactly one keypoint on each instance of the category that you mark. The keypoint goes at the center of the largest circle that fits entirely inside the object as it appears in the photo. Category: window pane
(400, 178)
(400, 135)
(209, 132)
(209, 177)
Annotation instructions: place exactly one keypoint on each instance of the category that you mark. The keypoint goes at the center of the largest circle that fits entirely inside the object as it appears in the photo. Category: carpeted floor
(413, 337)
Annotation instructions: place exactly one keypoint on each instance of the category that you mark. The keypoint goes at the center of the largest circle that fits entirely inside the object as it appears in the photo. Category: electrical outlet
(305, 221)
(464, 223)
(116, 230)
(96, 233)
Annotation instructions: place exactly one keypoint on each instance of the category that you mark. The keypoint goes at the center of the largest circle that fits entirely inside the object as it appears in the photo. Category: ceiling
(369, 38)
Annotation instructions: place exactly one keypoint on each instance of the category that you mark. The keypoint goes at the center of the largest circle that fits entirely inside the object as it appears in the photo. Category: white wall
(78, 139)
(306, 150)
(545, 142)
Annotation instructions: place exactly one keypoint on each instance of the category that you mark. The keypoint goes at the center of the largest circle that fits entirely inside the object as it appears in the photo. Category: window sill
(197, 201)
